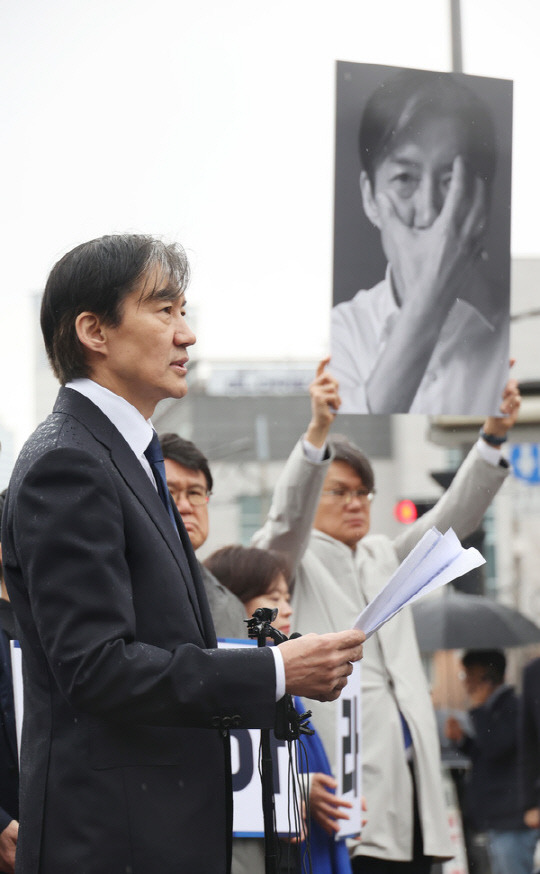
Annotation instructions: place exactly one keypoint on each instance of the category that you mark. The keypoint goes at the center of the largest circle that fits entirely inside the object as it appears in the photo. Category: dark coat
(491, 791)
(529, 736)
(125, 762)
(228, 613)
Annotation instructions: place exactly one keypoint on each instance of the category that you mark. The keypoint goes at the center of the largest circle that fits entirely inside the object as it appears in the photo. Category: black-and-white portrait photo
(421, 297)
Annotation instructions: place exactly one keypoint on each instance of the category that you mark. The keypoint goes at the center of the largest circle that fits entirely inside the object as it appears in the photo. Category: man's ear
(368, 200)
(91, 332)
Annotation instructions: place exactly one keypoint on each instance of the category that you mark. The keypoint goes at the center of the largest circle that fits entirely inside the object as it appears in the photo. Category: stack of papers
(435, 560)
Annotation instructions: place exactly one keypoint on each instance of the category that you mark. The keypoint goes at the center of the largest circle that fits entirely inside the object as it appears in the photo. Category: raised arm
(296, 495)
(475, 484)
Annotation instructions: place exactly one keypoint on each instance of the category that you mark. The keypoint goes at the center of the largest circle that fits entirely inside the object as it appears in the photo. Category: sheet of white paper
(435, 560)
(405, 583)
(405, 571)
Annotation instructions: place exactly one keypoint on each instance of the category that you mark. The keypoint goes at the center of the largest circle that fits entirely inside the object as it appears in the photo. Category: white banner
(457, 865)
(245, 746)
(349, 752)
(248, 815)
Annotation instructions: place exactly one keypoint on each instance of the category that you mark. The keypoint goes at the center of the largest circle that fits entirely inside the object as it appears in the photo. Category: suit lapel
(135, 477)
(131, 470)
(209, 632)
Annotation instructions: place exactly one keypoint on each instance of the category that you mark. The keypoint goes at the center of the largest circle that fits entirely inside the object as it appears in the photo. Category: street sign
(525, 461)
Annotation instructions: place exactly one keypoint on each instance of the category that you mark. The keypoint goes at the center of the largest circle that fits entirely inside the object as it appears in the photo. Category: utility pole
(455, 25)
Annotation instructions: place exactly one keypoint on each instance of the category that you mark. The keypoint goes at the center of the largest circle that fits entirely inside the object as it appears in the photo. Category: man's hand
(8, 845)
(509, 409)
(325, 807)
(317, 665)
(325, 402)
(431, 263)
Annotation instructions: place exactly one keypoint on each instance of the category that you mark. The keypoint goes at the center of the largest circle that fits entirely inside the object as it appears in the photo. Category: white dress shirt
(465, 375)
(134, 428)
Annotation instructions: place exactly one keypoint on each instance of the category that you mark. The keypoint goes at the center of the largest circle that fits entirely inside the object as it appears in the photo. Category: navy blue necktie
(154, 455)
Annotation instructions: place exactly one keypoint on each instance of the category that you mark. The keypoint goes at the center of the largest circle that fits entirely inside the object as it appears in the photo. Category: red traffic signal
(406, 511)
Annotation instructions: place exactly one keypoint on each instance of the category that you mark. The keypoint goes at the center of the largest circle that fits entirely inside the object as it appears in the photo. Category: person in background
(491, 803)
(529, 745)
(320, 520)
(9, 764)
(190, 483)
(259, 578)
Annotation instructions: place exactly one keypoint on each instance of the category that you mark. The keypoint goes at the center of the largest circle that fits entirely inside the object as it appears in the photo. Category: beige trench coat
(331, 584)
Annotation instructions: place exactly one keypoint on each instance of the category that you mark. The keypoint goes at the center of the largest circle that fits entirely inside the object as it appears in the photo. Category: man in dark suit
(125, 764)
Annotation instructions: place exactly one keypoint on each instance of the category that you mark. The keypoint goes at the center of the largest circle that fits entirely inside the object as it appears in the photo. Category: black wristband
(492, 439)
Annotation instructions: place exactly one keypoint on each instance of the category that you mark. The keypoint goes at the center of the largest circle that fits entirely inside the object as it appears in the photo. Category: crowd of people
(129, 703)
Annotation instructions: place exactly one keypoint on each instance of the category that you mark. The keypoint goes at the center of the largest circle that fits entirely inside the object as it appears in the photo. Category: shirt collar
(134, 428)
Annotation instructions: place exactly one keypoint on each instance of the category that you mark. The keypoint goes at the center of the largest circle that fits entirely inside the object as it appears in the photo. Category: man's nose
(182, 504)
(184, 336)
(355, 499)
(427, 204)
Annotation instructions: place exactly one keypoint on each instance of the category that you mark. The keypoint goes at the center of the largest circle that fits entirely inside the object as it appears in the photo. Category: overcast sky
(211, 122)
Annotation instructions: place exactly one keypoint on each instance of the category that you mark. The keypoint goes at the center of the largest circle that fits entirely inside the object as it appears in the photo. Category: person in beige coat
(320, 519)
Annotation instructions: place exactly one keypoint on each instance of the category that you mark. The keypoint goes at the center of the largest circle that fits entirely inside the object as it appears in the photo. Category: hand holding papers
(435, 560)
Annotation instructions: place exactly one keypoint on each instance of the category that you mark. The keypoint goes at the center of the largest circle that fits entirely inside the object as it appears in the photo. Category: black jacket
(124, 761)
(529, 736)
(491, 791)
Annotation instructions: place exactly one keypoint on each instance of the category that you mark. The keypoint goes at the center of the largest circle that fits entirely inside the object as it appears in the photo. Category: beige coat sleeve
(287, 528)
(463, 504)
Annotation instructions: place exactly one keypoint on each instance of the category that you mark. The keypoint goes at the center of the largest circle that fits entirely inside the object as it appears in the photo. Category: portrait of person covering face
(420, 321)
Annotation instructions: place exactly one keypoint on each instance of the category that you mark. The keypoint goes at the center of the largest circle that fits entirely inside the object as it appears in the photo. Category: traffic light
(407, 511)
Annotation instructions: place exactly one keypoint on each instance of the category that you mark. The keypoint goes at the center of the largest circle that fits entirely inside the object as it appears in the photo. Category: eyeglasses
(196, 497)
(345, 496)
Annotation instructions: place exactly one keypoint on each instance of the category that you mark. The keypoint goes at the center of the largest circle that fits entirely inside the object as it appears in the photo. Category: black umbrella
(453, 620)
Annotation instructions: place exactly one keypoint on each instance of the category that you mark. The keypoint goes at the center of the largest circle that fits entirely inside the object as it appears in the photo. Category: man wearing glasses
(190, 482)
(320, 518)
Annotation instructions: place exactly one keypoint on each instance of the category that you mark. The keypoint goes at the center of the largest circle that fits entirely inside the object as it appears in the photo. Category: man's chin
(355, 535)
(195, 538)
(179, 390)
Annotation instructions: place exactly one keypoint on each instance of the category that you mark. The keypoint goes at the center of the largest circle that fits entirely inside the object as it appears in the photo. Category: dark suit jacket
(124, 762)
(529, 736)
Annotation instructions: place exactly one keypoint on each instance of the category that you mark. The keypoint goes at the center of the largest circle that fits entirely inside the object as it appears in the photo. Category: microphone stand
(289, 725)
